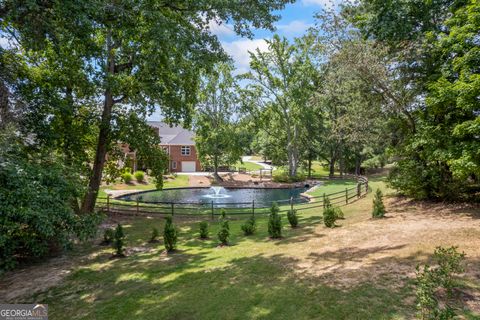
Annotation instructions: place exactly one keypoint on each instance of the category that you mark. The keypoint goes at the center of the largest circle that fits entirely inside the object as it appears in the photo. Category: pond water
(238, 197)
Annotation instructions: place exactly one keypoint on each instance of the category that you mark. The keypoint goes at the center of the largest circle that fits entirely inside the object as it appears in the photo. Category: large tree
(134, 55)
(281, 81)
(219, 139)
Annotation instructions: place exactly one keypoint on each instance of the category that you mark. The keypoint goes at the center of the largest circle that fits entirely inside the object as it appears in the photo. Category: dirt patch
(199, 181)
(386, 251)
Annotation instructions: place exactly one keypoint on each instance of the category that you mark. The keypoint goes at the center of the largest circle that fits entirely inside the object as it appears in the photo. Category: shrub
(275, 222)
(139, 176)
(154, 236)
(108, 236)
(249, 226)
(223, 214)
(204, 230)
(292, 218)
(339, 213)
(169, 235)
(429, 280)
(224, 232)
(127, 177)
(36, 216)
(285, 178)
(119, 240)
(378, 206)
(329, 214)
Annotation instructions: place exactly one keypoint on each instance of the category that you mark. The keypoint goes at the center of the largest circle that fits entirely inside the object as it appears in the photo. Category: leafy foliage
(139, 176)
(224, 232)
(275, 222)
(330, 213)
(108, 235)
(292, 218)
(249, 226)
(378, 206)
(36, 192)
(119, 240)
(154, 235)
(203, 230)
(127, 177)
(429, 280)
(170, 235)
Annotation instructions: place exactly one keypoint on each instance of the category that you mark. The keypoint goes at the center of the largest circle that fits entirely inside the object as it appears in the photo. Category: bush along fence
(212, 209)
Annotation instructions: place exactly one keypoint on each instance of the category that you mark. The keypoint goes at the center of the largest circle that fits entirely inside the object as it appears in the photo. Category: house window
(174, 164)
(185, 150)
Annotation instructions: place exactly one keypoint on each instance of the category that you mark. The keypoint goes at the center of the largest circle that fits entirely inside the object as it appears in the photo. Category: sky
(295, 19)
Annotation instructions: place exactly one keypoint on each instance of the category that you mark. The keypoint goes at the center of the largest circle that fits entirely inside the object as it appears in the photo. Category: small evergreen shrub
(170, 235)
(339, 213)
(223, 214)
(224, 232)
(429, 280)
(329, 214)
(378, 206)
(154, 235)
(108, 235)
(139, 176)
(275, 222)
(127, 177)
(119, 240)
(292, 218)
(249, 226)
(203, 230)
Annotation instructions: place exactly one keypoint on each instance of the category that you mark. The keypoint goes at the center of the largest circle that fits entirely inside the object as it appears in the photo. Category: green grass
(249, 166)
(171, 182)
(334, 186)
(253, 278)
(318, 170)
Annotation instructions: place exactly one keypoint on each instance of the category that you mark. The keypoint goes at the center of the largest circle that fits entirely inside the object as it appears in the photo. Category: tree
(281, 81)
(170, 235)
(219, 139)
(135, 55)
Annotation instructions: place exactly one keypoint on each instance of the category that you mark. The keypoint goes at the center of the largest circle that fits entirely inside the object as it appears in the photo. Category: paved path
(263, 164)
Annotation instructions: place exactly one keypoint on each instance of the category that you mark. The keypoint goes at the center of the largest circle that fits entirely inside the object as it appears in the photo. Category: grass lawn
(318, 170)
(348, 272)
(171, 182)
(249, 166)
(333, 186)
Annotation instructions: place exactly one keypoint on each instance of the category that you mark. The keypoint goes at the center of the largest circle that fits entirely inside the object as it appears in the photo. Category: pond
(238, 197)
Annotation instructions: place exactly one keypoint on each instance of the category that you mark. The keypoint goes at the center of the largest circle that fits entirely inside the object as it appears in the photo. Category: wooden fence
(212, 209)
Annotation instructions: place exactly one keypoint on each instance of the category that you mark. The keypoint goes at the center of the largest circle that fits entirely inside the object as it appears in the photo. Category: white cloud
(294, 27)
(322, 3)
(220, 29)
(239, 49)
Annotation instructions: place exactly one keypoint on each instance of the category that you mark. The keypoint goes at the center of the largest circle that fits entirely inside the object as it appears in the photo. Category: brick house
(179, 143)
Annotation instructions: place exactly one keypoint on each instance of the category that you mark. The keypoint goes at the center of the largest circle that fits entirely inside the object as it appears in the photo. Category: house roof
(173, 135)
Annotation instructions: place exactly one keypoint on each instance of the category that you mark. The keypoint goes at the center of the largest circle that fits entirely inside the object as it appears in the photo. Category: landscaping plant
(431, 280)
(154, 236)
(224, 232)
(292, 218)
(378, 206)
(169, 235)
(329, 214)
(275, 222)
(108, 236)
(139, 176)
(203, 230)
(119, 240)
(127, 177)
(249, 226)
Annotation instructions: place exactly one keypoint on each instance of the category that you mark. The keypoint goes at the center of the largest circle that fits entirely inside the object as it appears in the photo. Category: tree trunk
(216, 176)
(333, 158)
(90, 198)
(309, 167)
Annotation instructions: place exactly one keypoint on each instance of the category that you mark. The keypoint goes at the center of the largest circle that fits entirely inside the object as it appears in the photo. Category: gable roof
(174, 135)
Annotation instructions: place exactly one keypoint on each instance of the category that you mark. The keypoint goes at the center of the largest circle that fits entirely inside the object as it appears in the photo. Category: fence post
(366, 187)
(291, 203)
(359, 189)
(108, 203)
(212, 212)
(253, 207)
(137, 207)
(346, 195)
(172, 208)
(324, 198)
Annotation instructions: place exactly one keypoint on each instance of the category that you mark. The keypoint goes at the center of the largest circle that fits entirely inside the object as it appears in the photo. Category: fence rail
(213, 209)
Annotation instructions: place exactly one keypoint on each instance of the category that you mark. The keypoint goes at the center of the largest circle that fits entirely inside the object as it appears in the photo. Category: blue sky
(295, 19)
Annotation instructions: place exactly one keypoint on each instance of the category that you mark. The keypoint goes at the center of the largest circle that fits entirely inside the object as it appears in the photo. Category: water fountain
(217, 193)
